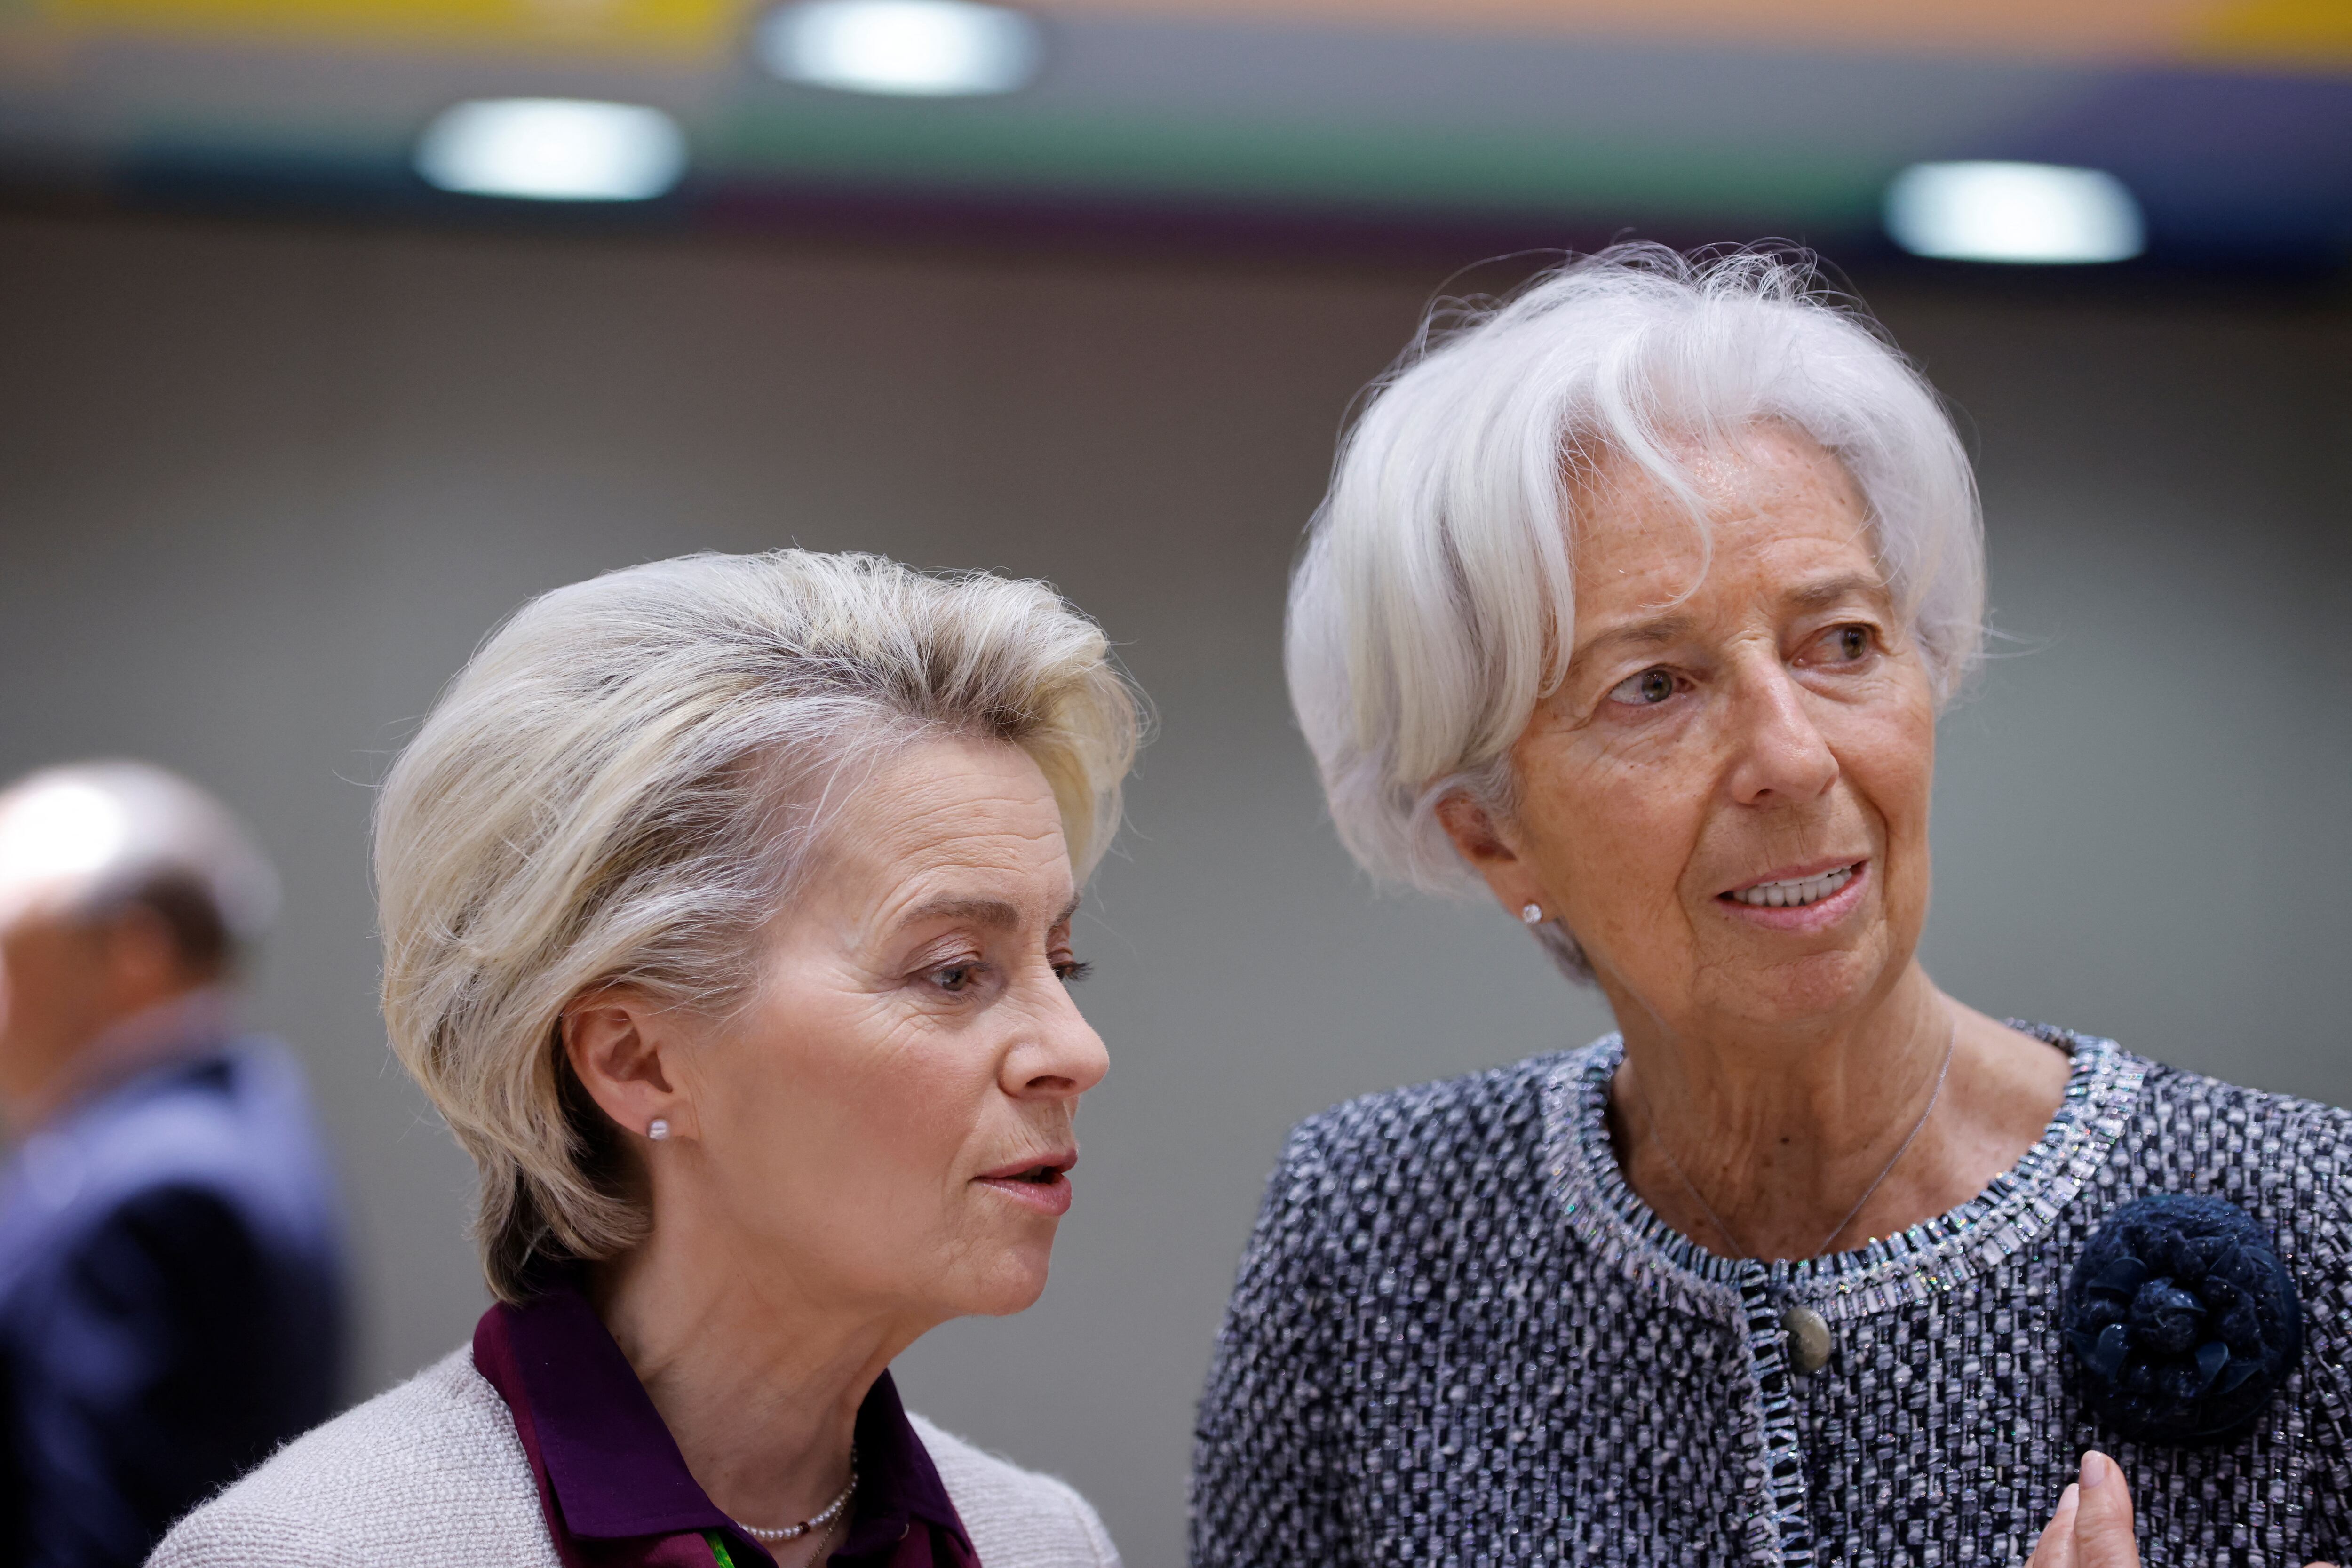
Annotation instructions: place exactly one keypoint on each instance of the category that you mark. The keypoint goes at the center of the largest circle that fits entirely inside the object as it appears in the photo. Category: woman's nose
(1782, 754)
(1063, 1058)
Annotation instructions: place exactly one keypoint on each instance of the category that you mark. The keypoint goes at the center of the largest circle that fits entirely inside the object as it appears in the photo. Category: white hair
(1434, 604)
(98, 836)
(631, 776)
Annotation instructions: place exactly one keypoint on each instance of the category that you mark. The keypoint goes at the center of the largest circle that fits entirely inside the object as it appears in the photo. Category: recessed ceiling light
(2013, 212)
(552, 149)
(931, 48)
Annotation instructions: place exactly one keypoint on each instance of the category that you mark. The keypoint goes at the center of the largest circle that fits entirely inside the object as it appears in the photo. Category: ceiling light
(552, 149)
(921, 48)
(2012, 212)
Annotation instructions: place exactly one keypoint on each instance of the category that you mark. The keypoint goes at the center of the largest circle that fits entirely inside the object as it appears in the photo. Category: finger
(2056, 1547)
(2102, 1520)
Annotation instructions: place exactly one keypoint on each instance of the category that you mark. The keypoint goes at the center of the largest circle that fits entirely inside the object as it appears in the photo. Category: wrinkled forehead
(1768, 505)
(948, 817)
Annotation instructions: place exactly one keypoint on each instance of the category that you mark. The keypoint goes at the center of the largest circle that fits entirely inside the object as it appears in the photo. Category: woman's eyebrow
(1832, 590)
(994, 914)
(1656, 632)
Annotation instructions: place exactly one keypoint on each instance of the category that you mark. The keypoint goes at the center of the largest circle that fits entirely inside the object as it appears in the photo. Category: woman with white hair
(726, 907)
(1633, 605)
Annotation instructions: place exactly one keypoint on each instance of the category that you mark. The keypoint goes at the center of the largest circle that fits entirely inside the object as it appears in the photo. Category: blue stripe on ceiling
(2220, 161)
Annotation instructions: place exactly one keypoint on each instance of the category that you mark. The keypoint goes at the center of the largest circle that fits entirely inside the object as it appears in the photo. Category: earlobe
(1483, 848)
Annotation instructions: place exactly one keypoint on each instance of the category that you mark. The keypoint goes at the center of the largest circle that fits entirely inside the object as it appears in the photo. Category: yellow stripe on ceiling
(2255, 32)
(2316, 32)
(2266, 31)
(665, 27)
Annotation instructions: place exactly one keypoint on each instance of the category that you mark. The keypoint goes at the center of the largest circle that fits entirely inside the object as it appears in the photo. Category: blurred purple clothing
(171, 1298)
(617, 1492)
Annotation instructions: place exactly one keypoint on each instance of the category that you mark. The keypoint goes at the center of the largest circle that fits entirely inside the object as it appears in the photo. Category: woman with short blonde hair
(726, 906)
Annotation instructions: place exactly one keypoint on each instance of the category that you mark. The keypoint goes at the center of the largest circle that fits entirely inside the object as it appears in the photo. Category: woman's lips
(1042, 1185)
(1832, 891)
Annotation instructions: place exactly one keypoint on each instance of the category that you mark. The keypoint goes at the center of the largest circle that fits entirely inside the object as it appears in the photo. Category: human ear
(1487, 849)
(618, 1042)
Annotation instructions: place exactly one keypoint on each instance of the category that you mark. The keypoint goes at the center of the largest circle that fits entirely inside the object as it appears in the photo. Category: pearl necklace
(817, 1521)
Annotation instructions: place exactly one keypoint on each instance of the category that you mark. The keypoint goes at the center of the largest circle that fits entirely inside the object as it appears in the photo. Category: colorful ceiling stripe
(2269, 32)
(2230, 121)
(698, 28)
(2287, 33)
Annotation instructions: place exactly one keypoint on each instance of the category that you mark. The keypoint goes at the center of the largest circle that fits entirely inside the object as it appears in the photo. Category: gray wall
(262, 489)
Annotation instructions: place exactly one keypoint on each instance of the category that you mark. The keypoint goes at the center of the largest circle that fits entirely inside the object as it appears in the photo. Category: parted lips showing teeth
(1796, 892)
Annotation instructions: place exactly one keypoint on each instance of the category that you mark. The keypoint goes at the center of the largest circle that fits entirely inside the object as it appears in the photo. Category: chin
(1818, 984)
(1009, 1283)
(1003, 1298)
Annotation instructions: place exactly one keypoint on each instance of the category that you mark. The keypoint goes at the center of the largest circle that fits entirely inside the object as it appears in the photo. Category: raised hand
(2092, 1525)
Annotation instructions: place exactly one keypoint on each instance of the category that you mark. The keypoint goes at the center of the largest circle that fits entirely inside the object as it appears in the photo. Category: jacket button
(1808, 1338)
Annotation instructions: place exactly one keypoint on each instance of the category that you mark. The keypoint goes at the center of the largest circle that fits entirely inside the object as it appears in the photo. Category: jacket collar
(610, 1470)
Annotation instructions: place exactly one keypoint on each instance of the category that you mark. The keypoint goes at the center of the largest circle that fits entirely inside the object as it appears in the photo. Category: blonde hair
(1435, 601)
(629, 778)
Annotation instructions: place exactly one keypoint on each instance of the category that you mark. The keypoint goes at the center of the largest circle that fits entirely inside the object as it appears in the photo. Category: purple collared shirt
(616, 1490)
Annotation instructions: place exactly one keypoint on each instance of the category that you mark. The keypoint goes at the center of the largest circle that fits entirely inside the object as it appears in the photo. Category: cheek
(39, 982)
(1609, 827)
(844, 1103)
(1891, 758)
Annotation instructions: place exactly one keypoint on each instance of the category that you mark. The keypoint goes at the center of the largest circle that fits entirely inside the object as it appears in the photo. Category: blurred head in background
(127, 896)
(171, 1246)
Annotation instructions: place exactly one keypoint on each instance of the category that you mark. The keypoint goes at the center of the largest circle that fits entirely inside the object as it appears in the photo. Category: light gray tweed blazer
(431, 1474)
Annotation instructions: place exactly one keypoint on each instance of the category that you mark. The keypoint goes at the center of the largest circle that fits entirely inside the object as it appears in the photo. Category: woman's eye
(1073, 970)
(1850, 642)
(1652, 687)
(955, 976)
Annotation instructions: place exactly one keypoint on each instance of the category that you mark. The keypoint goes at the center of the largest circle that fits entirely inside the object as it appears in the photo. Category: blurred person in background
(171, 1272)
(1632, 606)
(725, 905)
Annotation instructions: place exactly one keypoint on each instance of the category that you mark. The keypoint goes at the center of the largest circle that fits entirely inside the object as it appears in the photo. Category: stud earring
(1532, 914)
(657, 1130)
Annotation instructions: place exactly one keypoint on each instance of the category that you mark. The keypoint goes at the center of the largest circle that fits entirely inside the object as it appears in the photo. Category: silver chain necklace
(1806, 1332)
(1950, 1043)
(817, 1521)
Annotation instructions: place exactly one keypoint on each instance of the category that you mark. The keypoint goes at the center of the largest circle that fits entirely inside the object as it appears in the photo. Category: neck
(1758, 1140)
(759, 1382)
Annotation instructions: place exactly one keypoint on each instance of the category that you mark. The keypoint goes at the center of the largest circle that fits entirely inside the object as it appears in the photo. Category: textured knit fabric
(1458, 1338)
(170, 1282)
(616, 1493)
(431, 1475)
